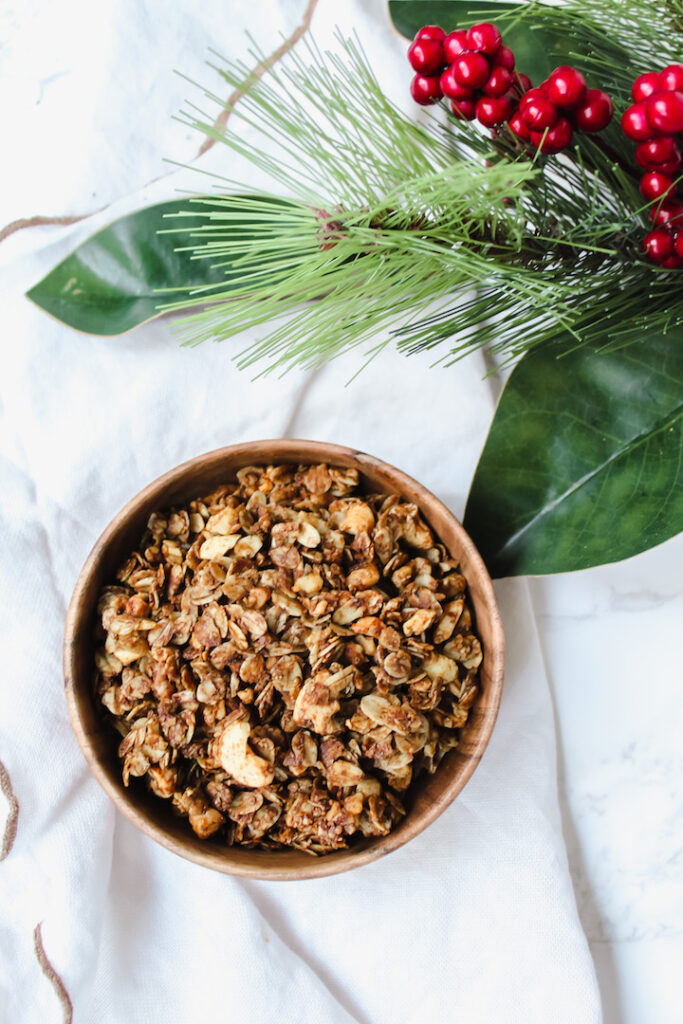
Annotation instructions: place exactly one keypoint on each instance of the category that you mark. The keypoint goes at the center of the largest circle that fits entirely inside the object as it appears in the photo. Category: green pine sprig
(432, 231)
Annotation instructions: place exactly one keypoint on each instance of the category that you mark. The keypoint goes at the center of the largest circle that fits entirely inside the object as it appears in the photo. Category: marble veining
(611, 642)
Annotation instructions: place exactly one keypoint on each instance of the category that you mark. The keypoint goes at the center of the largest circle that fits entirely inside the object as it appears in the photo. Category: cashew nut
(238, 760)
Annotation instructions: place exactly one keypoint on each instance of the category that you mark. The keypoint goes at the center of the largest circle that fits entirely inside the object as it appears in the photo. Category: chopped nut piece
(369, 626)
(317, 479)
(163, 781)
(362, 577)
(310, 583)
(205, 820)
(358, 518)
(224, 521)
(419, 622)
(347, 613)
(344, 773)
(218, 545)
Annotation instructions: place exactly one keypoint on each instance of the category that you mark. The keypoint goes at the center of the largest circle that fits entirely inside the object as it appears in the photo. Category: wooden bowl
(99, 741)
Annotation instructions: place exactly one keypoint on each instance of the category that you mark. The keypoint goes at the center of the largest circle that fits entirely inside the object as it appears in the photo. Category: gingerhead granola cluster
(284, 656)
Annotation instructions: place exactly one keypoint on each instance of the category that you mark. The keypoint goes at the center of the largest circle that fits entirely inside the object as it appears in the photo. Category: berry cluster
(470, 67)
(476, 73)
(653, 122)
(547, 115)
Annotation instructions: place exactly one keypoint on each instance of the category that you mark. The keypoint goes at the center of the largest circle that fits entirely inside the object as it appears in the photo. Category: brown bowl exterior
(98, 740)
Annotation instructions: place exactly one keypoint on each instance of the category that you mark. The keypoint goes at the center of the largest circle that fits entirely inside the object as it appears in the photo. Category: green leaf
(538, 49)
(583, 464)
(113, 281)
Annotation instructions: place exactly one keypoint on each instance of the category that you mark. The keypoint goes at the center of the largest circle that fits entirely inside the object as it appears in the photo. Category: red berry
(671, 78)
(464, 109)
(431, 32)
(679, 244)
(538, 112)
(499, 82)
(425, 89)
(656, 151)
(666, 213)
(672, 262)
(505, 58)
(451, 87)
(485, 38)
(566, 86)
(654, 185)
(635, 125)
(493, 110)
(471, 70)
(658, 244)
(518, 126)
(642, 158)
(594, 112)
(454, 44)
(665, 111)
(522, 81)
(555, 139)
(425, 56)
(533, 94)
(645, 86)
(669, 167)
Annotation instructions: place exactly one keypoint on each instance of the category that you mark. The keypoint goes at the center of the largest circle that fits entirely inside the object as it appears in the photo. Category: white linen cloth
(475, 919)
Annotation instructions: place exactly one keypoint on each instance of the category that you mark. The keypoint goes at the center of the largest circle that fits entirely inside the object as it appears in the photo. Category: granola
(285, 656)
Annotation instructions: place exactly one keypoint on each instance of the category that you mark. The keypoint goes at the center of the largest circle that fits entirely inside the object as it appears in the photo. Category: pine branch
(392, 223)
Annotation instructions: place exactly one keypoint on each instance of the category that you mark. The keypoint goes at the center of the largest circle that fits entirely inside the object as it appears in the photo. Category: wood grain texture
(99, 741)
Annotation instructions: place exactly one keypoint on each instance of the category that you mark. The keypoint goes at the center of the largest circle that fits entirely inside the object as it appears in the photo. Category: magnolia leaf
(583, 464)
(537, 49)
(115, 280)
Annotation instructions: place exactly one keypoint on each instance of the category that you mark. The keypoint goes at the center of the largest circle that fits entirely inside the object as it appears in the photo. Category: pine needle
(390, 224)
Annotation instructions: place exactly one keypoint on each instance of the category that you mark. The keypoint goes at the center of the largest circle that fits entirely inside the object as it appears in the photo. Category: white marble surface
(610, 636)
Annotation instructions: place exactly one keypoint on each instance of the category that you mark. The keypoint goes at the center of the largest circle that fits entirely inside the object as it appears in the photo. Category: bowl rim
(279, 450)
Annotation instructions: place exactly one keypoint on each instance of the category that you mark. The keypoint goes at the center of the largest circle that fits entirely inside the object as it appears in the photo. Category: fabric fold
(475, 919)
